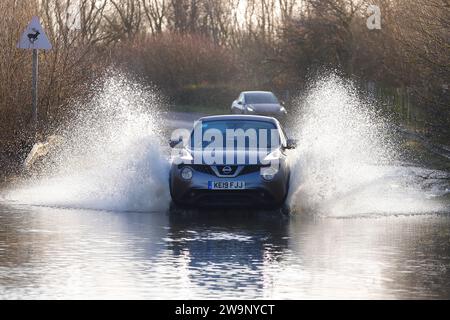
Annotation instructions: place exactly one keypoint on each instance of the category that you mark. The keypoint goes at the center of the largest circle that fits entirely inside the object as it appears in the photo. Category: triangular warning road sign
(34, 37)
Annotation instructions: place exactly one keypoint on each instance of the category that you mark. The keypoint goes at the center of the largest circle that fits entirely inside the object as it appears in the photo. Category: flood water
(370, 212)
(69, 253)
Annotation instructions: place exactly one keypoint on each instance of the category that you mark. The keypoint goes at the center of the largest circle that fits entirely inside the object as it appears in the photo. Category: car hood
(265, 107)
(228, 157)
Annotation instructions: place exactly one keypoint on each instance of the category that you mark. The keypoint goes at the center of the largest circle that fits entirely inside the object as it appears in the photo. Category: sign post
(34, 38)
(34, 92)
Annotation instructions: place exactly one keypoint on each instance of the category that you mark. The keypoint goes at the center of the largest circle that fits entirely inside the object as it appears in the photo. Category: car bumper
(257, 192)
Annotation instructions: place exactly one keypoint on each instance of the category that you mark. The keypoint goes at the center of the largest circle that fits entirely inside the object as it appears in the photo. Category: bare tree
(74, 59)
(123, 19)
(156, 12)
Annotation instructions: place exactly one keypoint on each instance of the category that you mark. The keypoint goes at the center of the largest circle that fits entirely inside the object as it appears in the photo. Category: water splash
(346, 165)
(110, 157)
(347, 161)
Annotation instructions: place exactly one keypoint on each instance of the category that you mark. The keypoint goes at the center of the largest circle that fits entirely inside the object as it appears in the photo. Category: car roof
(245, 92)
(239, 117)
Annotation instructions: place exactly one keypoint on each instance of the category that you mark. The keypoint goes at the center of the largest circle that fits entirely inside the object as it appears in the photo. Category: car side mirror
(291, 143)
(239, 102)
(174, 142)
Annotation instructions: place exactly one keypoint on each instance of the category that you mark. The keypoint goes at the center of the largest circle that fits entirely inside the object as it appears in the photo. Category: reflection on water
(68, 253)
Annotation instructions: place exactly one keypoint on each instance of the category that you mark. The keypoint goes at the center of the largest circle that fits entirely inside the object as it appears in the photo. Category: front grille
(220, 169)
(250, 169)
(203, 168)
(208, 169)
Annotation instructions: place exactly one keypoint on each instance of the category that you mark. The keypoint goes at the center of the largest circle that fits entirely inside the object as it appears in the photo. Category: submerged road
(71, 253)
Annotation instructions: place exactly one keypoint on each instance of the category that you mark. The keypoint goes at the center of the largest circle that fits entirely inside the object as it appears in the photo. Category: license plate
(226, 185)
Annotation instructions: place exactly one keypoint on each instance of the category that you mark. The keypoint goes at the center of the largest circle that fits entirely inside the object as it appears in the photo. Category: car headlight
(186, 173)
(250, 108)
(268, 173)
(283, 110)
(181, 156)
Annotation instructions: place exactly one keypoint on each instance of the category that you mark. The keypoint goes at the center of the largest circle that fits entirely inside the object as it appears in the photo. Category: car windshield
(260, 97)
(235, 134)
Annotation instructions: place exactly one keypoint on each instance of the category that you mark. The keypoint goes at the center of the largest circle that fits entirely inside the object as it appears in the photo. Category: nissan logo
(226, 170)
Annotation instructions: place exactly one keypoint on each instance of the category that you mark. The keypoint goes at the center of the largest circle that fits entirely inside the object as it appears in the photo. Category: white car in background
(263, 103)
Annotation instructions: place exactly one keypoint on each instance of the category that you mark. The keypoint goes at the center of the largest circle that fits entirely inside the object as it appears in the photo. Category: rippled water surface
(68, 253)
